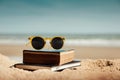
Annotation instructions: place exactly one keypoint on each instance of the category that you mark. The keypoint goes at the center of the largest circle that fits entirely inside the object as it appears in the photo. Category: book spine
(38, 58)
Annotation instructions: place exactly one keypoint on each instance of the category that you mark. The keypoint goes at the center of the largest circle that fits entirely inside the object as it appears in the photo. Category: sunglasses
(38, 42)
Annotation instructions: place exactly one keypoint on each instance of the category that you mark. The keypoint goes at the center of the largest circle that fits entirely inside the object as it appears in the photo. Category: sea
(104, 40)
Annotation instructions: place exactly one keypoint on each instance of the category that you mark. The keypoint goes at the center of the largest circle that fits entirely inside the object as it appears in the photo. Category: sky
(60, 16)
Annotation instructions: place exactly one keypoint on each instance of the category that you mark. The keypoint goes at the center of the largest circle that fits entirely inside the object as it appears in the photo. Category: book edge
(53, 68)
(49, 51)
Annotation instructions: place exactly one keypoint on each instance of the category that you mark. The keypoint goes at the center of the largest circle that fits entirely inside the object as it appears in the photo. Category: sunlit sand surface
(97, 69)
(96, 63)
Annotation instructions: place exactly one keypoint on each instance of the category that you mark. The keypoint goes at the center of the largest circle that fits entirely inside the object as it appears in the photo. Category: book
(33, 67)
(51, 57)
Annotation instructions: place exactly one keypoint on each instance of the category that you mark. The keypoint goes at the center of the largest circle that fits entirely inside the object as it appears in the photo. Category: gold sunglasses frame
(45, 39)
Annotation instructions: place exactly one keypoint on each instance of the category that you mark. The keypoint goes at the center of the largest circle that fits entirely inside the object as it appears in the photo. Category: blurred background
(91, 27)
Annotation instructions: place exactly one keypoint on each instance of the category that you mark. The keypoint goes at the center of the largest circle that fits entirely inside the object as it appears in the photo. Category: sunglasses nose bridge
(47, 39)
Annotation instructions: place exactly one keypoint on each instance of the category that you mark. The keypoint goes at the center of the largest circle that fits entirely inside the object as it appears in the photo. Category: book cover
(51, 57)
(33, 67)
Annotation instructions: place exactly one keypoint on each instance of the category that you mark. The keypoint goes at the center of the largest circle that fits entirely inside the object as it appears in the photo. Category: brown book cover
(32, 67)
(51, 57)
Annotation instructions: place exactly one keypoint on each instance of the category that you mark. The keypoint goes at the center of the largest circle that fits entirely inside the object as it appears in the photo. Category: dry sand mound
(100, 69)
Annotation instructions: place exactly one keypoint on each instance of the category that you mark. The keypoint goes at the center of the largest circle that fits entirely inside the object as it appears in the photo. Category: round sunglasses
(38, 42)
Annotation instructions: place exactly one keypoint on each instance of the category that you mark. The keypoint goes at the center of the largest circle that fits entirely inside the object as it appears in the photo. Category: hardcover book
(33, 67)
(49, 57)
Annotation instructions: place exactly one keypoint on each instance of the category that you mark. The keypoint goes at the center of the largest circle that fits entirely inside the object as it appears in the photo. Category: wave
(94, 42)
(74, 42)
(12, 41)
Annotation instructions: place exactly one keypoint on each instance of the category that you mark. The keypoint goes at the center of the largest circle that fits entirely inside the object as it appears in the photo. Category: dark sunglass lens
(57, 43)
(38, 43)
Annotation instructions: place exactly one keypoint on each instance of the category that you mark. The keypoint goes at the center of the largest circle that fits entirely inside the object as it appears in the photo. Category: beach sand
(97, 69)
(81, 52)
(97, 63)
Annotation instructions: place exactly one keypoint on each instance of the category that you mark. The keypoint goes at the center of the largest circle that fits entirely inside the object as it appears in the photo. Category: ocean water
(106, 40)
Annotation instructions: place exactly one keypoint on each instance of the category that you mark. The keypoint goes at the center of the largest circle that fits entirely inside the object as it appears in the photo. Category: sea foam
(74, 42)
